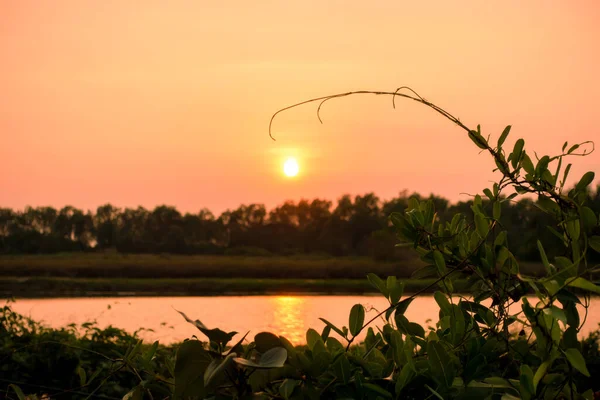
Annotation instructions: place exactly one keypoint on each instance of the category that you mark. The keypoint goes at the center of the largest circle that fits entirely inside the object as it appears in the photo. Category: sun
(290, 167)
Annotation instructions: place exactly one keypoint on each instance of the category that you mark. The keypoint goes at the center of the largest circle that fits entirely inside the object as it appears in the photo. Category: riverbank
(46, 287)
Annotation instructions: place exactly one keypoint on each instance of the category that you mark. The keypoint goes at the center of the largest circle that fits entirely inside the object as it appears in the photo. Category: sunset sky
(168, 102)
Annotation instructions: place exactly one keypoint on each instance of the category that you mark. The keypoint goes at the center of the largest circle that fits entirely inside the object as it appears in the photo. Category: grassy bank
(114, 265)
(111, 274)
(38, 287)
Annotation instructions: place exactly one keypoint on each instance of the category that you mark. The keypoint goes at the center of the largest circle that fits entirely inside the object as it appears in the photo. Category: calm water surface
(289, 316)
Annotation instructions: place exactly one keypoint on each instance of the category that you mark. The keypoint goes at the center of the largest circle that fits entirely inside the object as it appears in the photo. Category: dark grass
(40, 287)
(114, 265)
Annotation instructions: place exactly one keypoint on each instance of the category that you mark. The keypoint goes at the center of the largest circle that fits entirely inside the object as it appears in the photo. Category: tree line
(355, 226)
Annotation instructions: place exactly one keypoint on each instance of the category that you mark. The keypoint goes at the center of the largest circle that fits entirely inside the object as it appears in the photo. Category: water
(289, 316)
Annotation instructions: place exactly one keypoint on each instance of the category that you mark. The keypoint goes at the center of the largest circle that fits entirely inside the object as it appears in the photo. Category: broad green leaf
(266, 341)
(557, 313)
(332, 326)
(582, 283)
(516, 154)
(378, 284)
(312, 338)
(527, 164)
(274, 358)
(577, 361)
(526, 379)
(396, 292)
(443, 302)
(497, 210)
(594, 243)
(588, 218)
(482, 226)
(585, 180)
(286, 389)
(440, 364)
(439, 261)
(342, 369)
(540, 372)
(190, 364)
(404, 377)
(503, 136)
(325, 333)
(357, 318)
(216, 369)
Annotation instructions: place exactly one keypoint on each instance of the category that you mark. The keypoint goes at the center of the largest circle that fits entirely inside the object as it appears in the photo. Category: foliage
(76, 361)
(480, 347)
(469, 352)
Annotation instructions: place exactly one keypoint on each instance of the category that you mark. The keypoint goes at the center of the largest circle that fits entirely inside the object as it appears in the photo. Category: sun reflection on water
(288, 317)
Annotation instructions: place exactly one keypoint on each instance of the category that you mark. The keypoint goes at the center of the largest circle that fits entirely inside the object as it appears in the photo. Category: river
(289, 316)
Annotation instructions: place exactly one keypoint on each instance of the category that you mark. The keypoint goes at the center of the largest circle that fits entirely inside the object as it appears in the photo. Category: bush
(478, 349)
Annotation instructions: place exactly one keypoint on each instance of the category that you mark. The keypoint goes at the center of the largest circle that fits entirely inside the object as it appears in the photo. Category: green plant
(480, 348)
(472, 351)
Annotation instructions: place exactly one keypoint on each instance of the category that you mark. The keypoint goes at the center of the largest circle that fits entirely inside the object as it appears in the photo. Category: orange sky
(169, 102)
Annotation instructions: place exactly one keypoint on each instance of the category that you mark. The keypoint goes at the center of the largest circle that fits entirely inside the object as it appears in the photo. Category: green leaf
(557, 313)
(149, 354)
(577, 361)
(572, 149)
(539, 374)
(214, 335)
(504, 135)
(478, 139)
(286, 389)
(17, 391)
(378, 284)
(312, 338)
(544, 257)
(266, 341)
(582, 283)
(594, 243)
(526, 379)
(516, 154)
(190, 364)
(357, 318)
(332, 326)
(342, 368)
(273, 358)
(542, 166)
(440, 364)
(527, 164)
(137, 393)
(433, 392)
(585, 180)
(497, 210)
(404, 377)
(82, 375)
(482, 226)
(439, 261)
(443, 302)
(216, 369)
(395, 289)
(588, 218)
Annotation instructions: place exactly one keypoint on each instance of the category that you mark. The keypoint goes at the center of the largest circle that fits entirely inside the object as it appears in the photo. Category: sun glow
(290, 167)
